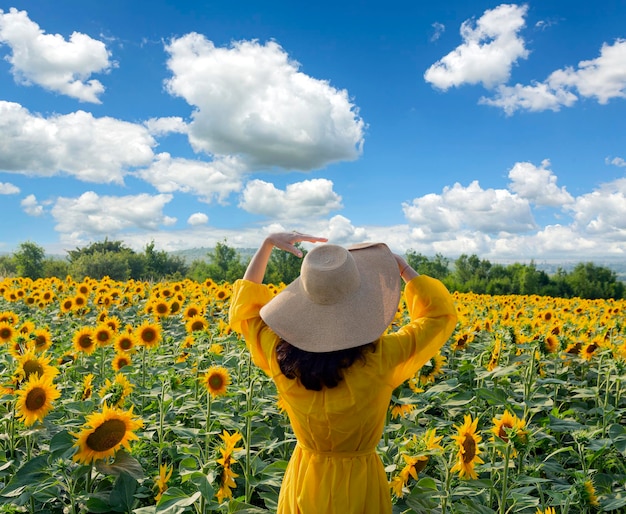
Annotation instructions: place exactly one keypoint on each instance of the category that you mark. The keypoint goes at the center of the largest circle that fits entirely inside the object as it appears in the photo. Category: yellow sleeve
(244, 318)
(433, 318)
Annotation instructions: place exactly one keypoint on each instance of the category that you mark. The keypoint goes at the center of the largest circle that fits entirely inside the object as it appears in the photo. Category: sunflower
(197, 323)
(228, 476)
(509, 426)
(549, 345)
(34, 399)
(431, 369)
(121, 360)
(467, 441)
(192, 310)
(9, 317)
(588, 493)
(84, 340)
(104, 433)
(547, 510)
(7, 332)
(79, 302)
(216, 380)
(148, 334)
(589, 349)
(216, 348)
(462, 342)
(87, 387)
(401, 410)
(41, 339)
(125, 342)
(67, 305)
(116, 391)
(161, 308)
(165, 473)
(30, 364)
(26, 328)
(103, 334)
(495, 354)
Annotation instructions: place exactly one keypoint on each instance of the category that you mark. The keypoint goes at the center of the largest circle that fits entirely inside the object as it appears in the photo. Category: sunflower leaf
(123, 463)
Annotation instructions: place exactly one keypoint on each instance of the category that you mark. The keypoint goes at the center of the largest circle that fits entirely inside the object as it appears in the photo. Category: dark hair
(318, 370)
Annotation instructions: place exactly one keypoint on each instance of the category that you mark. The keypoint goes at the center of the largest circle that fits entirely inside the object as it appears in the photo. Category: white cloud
(31, 206)
(208, 180)
(91, 149)
(6, 188)
(167, 125)
(309, 198)
(534, 98)
(91, 216)
(490, 47)
(198, 218)
(603, 78)
(538, 184)
(51, 61)
(603, 211)
(250, 100)
(616, 161)
(439, 29)
(490, 211)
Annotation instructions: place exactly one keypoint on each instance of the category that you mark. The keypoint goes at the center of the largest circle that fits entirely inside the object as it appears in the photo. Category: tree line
(468, 273)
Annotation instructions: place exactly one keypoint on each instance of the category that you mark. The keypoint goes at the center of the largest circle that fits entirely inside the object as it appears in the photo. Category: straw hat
(343, 298)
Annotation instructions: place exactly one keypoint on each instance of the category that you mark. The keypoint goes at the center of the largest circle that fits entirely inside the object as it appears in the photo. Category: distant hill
(202, 254)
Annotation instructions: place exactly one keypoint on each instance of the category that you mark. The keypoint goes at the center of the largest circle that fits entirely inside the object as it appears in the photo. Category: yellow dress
(334, 468)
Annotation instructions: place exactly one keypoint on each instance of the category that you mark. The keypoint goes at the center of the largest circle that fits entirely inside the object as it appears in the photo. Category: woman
(322, 341)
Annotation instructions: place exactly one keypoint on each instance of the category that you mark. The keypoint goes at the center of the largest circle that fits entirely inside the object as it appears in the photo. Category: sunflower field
(136, 397)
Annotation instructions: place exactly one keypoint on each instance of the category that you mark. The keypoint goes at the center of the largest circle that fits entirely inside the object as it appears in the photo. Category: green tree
(55, 268)
(101, 264)
(8, 267)
(283, 267)
(159, 264)
(588, 280)
(29, 260)
(436, 267)
(224, 265)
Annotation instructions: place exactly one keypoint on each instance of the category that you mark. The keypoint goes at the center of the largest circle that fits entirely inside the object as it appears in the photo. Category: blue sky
(439, 127)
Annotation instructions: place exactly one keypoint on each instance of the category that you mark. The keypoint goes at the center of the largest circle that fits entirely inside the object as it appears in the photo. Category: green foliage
(224, 265)
(468, 273)
(7, 266)
(99, 265)
(283, 267)
(29, 260)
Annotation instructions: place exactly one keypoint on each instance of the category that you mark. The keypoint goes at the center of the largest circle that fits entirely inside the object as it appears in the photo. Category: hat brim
(359, 319)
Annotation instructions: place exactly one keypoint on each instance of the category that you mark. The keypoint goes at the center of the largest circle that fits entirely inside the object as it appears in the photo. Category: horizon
(487, 129)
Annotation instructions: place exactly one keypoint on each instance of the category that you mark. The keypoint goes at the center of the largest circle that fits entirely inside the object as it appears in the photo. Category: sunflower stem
(505, 479)
(207, 430)
(249, 429)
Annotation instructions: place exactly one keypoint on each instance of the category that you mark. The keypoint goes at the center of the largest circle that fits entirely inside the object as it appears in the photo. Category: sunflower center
(31, 367)
(108, 435)
(125, 343)
(103, 336)
(148, 335)
(35, 399)
(216, 381)
(502, 432)
(40, 341)
(469, 449)
(85, 341)
(197, 325)
(6, 333)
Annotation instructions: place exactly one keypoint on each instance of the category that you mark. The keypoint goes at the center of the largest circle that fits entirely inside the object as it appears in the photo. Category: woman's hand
(284, 241)
(406, 272)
